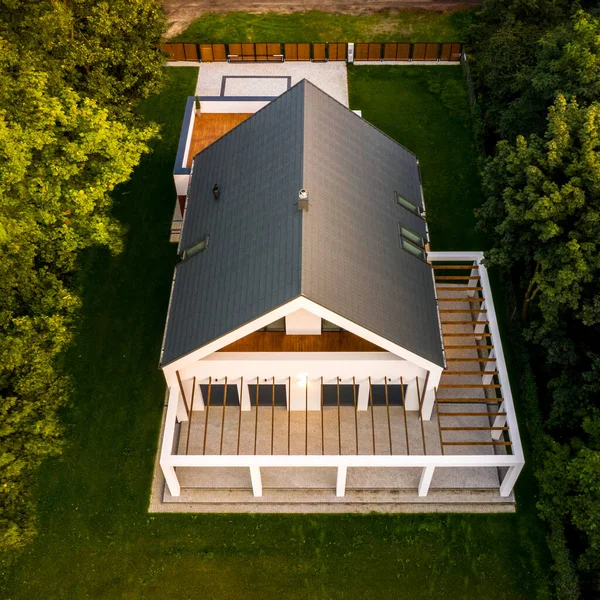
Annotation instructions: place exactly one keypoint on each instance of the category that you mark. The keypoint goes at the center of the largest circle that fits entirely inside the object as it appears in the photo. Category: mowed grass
(426, 109)
(316, 26)
(98, 541)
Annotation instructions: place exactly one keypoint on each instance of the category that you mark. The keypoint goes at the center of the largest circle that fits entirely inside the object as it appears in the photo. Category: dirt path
(181, 13)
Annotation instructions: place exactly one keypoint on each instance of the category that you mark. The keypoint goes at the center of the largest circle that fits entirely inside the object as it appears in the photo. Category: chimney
(216, 191)
(303, 200)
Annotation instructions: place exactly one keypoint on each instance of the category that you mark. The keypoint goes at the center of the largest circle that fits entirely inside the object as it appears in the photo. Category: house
(312, 341)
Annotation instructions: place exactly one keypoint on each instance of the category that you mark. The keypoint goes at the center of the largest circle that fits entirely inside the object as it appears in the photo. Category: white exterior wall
(304, 370)
(181, 184)
(302, 322)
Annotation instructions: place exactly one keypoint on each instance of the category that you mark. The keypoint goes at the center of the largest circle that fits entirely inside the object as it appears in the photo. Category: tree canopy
(71, 75)
(543, 204)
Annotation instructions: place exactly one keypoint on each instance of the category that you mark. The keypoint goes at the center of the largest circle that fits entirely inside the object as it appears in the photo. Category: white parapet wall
(228, 104)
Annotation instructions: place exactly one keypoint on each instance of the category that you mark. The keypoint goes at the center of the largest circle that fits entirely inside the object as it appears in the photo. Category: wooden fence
(316, 52)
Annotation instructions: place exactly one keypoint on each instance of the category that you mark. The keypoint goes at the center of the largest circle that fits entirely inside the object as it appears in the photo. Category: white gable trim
(298, 303)
(233, 336)
(344, 323)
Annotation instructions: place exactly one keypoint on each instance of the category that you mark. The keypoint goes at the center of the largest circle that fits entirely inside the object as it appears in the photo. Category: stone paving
(268, 79)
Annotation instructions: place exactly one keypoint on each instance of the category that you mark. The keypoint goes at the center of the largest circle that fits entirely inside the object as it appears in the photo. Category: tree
(543, 210)
(62, 156)
(503, 45)
(104, 50)
(567, 62)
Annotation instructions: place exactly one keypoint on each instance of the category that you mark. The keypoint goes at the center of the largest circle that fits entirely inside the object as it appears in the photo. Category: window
(329, 326)
(412, 242)
(278, 325)
(196, 248)
(407, 204)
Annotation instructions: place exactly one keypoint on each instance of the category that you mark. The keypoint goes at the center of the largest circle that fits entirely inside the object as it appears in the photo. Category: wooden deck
(209, 127)
(275, 341)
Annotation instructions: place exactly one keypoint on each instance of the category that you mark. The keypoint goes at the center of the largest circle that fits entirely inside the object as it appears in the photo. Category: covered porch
(348, 436)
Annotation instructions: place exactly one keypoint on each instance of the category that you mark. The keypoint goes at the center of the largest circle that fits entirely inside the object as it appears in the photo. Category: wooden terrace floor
(209, 127)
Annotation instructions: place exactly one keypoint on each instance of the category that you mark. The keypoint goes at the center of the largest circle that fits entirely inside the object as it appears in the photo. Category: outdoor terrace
(209, 127)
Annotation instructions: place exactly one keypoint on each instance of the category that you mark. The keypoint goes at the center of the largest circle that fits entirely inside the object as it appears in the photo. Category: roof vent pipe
(303, 200)
(216, 191)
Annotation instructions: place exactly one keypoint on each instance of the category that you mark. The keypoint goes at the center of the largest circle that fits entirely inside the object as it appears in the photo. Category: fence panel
(418, 51)
(390, 51)
(432, 51)
(303, 51)
(291, 51)
(248, 53)
(191, 52)
(175, 51)
(297, 51)
(445, 52)
(393, 51)
(219, 52)
(234, 53)
(213, 53)
(364, 51)
(375, 51)
(319, 52)
(361, 51)
(456, 51)
(336, 51)
(403, 51)
(206, 53)
(274, 52)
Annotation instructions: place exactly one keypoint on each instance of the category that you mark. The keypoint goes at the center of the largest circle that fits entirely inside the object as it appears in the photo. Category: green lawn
(315, 26)
(426, 109)
(96, 538)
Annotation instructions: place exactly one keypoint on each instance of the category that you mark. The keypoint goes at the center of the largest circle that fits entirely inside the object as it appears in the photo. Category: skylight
(412, 242)
(196, 248)
(402, 201)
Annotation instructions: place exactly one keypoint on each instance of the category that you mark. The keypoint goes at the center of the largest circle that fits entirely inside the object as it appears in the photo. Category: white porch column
(480, 327)
(256, 481)
(432, 383)
(425, 481)
(340, 486)
(181, 409)
(411, 397)
(499, 421)
(362, 402)
(489, 366)
(168, 441)
(171, 478)
(509, 480)
(473, 282)
(244, 394)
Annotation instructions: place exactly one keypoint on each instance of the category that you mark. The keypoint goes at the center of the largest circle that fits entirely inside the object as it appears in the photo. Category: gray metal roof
(344, 253)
